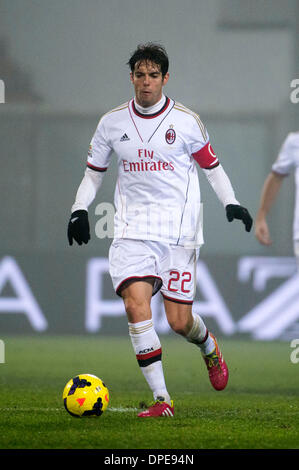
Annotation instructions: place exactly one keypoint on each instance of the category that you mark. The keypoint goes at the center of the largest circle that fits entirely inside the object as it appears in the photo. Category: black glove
(78, 228)
(234, 211)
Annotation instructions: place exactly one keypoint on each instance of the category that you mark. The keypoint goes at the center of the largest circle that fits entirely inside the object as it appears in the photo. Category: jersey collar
(151, 116)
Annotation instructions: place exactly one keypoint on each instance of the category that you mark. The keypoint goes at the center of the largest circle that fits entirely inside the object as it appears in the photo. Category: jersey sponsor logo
(170, 135)
(144, 153)
(146, 162)
(147, 166)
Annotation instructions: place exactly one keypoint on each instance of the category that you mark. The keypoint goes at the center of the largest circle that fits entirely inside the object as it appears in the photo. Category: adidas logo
(124, 138)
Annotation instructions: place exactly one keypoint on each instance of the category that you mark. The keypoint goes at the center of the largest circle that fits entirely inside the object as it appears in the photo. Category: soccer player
(286, 162)
(157, 226)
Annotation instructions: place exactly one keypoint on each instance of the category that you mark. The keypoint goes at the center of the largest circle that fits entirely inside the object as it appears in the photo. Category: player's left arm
(222, 186)
(198, 143)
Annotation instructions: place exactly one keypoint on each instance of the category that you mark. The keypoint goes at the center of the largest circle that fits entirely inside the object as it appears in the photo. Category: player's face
(148, 83)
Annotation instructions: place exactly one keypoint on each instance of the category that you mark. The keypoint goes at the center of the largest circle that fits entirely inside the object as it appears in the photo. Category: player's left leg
(191, 326)
(178, 271)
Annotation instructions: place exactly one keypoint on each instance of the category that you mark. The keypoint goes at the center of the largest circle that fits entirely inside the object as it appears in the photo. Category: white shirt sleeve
(198, 143)
(98, 159)
(285, 161)
(196, 135)
(88, 189)
(221, 184)
(100, 149)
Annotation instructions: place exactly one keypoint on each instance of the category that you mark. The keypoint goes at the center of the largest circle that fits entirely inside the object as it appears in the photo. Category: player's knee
(179, 326)
(137, 310)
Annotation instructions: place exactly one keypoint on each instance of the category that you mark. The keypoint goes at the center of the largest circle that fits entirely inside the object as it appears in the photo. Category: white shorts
(172, 266)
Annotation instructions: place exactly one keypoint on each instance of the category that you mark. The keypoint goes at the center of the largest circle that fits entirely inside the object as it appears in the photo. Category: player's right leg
(137, 296)
(133, 272)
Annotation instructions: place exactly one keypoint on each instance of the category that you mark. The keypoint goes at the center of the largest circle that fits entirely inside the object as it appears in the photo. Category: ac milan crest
(170, 135)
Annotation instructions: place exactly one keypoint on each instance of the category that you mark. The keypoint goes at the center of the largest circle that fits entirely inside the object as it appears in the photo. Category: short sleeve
(100, 150)
(286, 161)
(200, 147)
(197, 135)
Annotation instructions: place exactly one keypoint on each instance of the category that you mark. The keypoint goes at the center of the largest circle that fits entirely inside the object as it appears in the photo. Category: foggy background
(63, 63)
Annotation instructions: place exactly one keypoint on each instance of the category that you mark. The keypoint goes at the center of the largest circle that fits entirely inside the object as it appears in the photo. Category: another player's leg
(137, 297)
(192, 327)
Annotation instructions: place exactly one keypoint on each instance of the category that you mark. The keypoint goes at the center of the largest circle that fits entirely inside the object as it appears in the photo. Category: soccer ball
(85, 395)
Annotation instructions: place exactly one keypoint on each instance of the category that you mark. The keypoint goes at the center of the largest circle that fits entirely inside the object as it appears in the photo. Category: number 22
(176, 277)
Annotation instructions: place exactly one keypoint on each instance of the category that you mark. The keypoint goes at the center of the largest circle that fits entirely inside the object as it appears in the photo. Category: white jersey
(157, 194)
(287, 162)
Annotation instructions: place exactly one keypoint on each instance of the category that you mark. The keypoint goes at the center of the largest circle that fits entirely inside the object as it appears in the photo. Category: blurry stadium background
(63, 64)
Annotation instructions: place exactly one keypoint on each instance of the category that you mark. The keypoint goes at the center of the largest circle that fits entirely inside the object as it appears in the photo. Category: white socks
(148, 352)
(199, 335)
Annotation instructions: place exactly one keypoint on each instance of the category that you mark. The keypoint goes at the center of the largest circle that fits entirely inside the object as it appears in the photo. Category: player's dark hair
(150, 52)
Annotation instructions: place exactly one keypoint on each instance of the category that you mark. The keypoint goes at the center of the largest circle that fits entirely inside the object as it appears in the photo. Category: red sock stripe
(148, 358)
(205, 338)
(149, 355)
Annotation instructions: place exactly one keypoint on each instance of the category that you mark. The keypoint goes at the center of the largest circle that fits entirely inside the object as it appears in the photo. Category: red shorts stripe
(180, 301)
(138, 278)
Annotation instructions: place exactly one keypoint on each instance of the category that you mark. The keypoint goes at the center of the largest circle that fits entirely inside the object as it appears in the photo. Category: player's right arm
(98, 160)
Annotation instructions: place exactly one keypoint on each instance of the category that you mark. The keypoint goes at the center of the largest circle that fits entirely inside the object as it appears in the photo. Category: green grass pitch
(258, 410)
